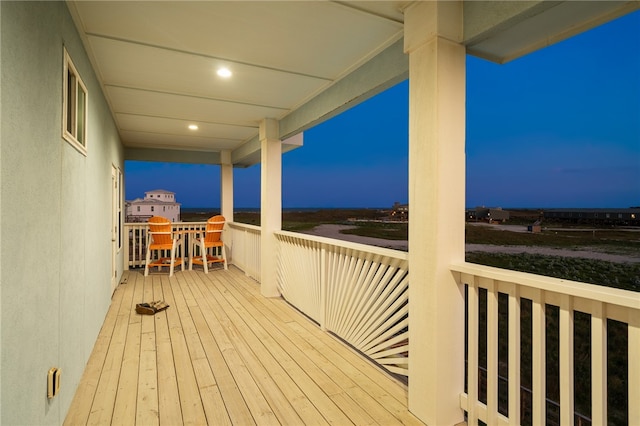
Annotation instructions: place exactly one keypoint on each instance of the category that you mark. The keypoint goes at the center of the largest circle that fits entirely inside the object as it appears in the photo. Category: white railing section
(601, 303)
(243, 247)
(135, 249)
(242, 243)
(358, 292)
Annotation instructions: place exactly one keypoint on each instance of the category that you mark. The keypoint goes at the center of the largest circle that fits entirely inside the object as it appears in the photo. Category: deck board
(222, 354)
(86, 390)
(169, 409)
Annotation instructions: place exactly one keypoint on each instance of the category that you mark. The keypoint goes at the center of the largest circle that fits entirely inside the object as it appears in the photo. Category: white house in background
(155, 203)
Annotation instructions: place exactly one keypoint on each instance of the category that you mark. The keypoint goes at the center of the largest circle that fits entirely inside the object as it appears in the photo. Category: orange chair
(160, 237)
(211, 240)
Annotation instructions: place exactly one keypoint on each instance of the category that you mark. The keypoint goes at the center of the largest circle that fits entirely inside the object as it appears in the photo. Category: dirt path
(523, 228)
(333, 231)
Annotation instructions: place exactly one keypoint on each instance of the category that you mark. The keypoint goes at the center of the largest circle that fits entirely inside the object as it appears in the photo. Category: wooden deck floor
(223, 354)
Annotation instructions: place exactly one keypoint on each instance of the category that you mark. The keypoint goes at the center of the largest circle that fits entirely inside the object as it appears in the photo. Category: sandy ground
(333, 231)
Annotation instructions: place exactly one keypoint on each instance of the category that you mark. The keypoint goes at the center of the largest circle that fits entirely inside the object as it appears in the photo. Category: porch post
(433, 35)
(270, 204)
(226, 186)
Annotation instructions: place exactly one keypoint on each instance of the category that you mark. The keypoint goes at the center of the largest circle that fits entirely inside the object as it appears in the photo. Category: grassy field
(384, 230)
(299, 220)
(605, 240)
(610, 274)
(368, 223)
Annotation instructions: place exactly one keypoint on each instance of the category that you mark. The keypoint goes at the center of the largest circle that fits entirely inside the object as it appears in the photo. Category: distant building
(489, 214)
(400, 211)
(535, 228)
(155, 203)
(630, 216)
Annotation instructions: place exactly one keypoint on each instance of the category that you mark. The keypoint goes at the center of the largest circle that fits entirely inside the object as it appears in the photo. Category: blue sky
(557, 128)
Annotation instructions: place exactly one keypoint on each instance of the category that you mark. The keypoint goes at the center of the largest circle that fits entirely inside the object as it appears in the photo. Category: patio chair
(211, 241)
(160, 238)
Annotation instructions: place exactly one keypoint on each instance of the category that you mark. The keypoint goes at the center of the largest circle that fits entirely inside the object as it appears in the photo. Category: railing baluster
(598, 364)
(323, 288)
(539, 358)
(142, 244)
(473, 344)
(634, 366)
(126, 249)
(566, 361)
(514, 355)
(492, 349)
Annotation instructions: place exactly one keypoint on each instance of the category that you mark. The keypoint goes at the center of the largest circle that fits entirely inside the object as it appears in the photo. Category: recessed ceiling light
(193, 127)
(224, 72)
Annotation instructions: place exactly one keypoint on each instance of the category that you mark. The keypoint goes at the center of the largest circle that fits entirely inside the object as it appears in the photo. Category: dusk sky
(557, 128)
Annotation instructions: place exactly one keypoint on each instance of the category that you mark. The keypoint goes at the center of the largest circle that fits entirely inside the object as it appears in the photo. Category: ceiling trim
(503, 31)
(171, 156)
(397, 18)
(389, 67)
(486, 19)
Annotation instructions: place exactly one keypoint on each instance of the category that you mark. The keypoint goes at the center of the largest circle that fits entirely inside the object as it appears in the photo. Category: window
(151, 208)
(74, 107)
(138, 208)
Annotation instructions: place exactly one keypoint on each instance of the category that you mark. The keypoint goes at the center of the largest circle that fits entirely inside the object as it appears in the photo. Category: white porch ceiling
(296, 61)
(157, 63)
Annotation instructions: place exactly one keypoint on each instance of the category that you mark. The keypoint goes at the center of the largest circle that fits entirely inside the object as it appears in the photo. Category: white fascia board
(389, 67)
(172, 156)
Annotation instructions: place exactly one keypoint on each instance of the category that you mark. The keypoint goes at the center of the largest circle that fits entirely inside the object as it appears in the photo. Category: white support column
(226, 186)
(270, 204)
(433, 34)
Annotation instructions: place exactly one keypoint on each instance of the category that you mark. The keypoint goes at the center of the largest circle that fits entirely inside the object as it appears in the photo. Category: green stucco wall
(55, 215)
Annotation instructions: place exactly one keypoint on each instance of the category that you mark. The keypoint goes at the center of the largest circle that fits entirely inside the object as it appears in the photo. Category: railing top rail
(347, 244)
(173, 223)
(615, 296)
(245, 226)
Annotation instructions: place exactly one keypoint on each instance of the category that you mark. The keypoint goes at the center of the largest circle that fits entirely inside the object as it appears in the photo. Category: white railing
(242, 244)
(136, 245)
(243, 247)
(358, 292)
(567, 298)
